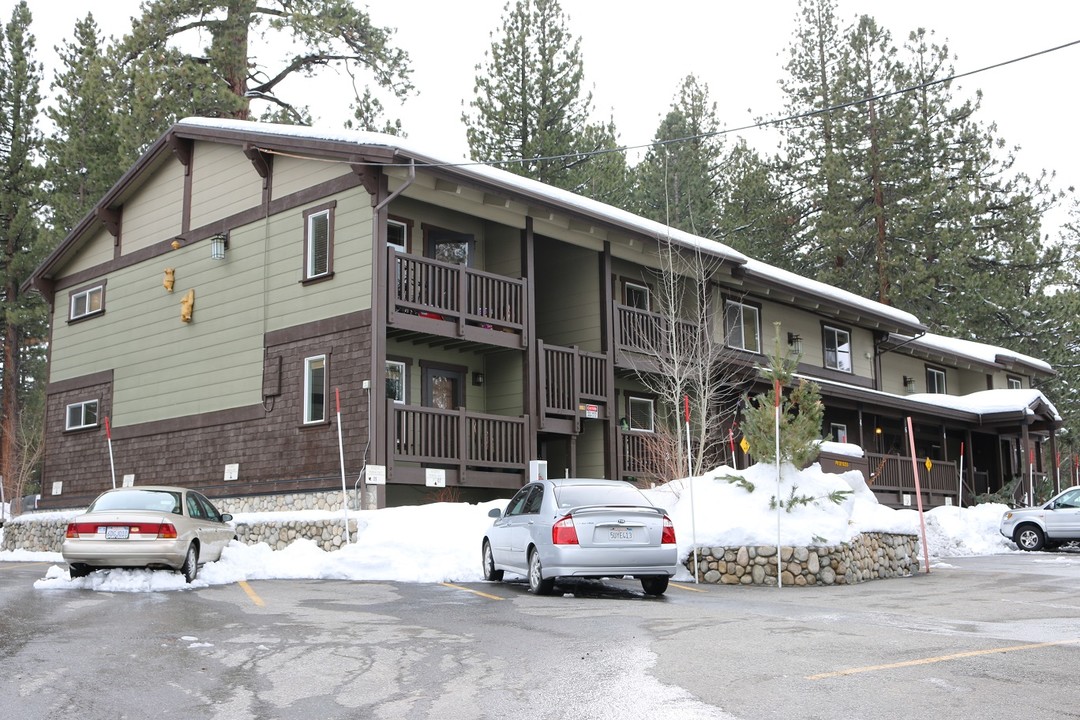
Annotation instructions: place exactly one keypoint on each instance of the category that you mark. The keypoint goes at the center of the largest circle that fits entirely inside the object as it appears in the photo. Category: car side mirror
(226, 517)
(495, 513)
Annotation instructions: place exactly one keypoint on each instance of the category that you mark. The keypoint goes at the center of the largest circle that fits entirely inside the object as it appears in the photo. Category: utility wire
(753, 126)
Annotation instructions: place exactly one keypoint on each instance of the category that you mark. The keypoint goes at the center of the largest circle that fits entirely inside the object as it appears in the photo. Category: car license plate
(622, 534)
(116, 533)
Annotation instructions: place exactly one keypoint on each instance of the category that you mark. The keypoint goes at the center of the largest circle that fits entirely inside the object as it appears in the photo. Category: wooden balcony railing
(570, 376)
(649, 333)
(642, 457)
(437, 290)
(893, 474)
(456, 437)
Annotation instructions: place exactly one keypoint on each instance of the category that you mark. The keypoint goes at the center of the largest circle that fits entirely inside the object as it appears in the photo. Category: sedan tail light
(166, 530)
(668, 536)
(564, 532)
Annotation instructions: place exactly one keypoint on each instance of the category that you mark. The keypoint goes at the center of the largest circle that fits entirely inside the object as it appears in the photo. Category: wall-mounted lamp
(478, 378)
(909, 381)
(794, 341)
(218, 244)
(877, 431)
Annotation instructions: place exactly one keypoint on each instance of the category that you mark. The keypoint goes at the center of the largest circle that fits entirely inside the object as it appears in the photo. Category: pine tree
(677, 181)
(23, 315)
(529, 112)
(82, 157)
(229, 70)
(801, 414)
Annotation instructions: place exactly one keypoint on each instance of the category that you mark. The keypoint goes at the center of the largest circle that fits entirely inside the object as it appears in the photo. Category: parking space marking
(687, 587)
(14, 565)
(939, 658)
(251, 593)
(474, 592)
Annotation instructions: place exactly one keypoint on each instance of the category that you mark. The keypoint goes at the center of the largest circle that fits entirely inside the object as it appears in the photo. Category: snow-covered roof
(981, 352)
(585, 206)
(990, 402)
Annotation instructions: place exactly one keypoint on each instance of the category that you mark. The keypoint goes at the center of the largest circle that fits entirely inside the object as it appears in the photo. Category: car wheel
(79, 570)
(537, 583)
(1029, 537)
(190, 568)
(654, 585)
(490, 573)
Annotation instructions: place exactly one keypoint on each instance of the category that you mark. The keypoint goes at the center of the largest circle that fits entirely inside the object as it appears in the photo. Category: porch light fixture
(909, 381)
(478, 378)
(794, 341)
(218, 244)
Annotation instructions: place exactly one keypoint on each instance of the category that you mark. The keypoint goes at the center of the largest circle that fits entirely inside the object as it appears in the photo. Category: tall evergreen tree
(677, 181)
(530, 113)
(23, 315)
(82, 156)
(224, 75)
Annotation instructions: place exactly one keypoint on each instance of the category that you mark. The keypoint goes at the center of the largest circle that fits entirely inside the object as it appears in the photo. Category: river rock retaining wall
(869, 556)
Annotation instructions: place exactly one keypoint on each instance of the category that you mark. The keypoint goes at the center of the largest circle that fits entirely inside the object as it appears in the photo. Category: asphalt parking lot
(986, 637)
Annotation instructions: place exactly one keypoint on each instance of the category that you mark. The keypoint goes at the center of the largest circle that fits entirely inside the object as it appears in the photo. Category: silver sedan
(581, 528)
(152, 526)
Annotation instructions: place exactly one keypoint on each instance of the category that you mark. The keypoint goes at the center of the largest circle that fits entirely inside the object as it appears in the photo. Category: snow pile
(441, 542)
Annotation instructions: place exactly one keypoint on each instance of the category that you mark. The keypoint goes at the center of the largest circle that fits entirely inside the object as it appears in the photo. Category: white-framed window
(935, 380)
(1014, 383)
(395, 381)
(838, 432)
(87, 302)
(742, 325)
(837, 349)
(318, 243)
(397, 235)
(82, 415)
(640, 414)
(636, 295)
(315, 389)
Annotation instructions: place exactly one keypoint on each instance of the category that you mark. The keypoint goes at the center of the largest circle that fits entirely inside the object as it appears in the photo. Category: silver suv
(1047, 526)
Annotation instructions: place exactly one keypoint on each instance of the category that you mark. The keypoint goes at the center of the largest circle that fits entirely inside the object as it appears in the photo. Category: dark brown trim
(203, 232)
(77, 383)
(190, 422)
(308, 331)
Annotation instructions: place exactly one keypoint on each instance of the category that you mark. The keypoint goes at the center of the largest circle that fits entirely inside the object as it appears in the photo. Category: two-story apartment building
(248, 293)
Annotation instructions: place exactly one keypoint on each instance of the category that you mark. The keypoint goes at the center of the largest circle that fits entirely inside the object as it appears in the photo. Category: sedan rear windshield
(154, 500)
(578, 495)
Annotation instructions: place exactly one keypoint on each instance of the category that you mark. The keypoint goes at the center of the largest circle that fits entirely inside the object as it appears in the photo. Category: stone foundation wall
(869, 556)
(44, 532)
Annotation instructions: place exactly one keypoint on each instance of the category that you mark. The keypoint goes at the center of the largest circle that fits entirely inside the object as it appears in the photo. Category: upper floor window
(89, 301)
(935, 380)
(319, 243)
(397, 235)
(82, 415)
(742, 323)
(838, 432)
(315, 389)
(395, 381)
(640, 412)
(1014, 383)
(636, 295)
(837, 349)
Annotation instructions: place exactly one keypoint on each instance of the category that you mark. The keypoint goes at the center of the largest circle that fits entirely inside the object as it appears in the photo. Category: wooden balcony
(469, 443)
(569, 379)
(891, 478)
(642, 334)
(455, 301)
(641, 457)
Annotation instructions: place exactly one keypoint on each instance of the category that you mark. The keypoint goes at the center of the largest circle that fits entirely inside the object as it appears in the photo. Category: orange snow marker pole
(918, 495)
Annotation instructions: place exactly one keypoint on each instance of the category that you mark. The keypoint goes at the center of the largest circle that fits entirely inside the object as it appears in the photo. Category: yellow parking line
(939, 658)
(474, 592)
(251, 593)
(16, 564)
(687, 587)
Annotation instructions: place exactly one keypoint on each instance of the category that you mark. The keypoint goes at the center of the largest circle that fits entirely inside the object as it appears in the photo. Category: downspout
(408, 181)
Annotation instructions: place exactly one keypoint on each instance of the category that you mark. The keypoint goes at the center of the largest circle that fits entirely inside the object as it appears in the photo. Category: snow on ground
(441, 542)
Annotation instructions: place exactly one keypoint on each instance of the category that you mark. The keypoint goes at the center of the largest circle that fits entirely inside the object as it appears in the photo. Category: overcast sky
(636, 53)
